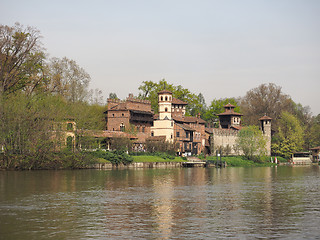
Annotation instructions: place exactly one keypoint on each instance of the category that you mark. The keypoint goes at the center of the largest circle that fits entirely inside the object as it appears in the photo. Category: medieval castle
(189, 133)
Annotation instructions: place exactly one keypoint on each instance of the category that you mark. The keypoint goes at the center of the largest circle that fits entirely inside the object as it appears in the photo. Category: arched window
(152, 133)
(166, 98)
(166, 109)
(122, 127)
(161, 98)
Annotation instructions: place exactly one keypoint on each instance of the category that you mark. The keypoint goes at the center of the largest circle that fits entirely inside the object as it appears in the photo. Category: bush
(115, 157)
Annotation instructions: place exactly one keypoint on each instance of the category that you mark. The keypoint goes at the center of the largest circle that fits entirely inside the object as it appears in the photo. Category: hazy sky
(219, 48)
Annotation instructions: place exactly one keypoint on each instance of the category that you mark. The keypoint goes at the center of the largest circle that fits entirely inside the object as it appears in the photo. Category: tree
(149, 91)
(21, 58)
(113, 96)
(265, 99)
(315, 131)
(251, 142)
(216, 107)
(290, 136)
(68, 79)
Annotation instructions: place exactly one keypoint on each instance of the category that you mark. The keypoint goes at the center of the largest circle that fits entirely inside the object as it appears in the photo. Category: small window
(187, 134)
(178, 134)
(152, 133)
(122, 114)
(143, 129)
(171, 124)
(122, 127)
(161, 98)
(112, 114)
(166, 98)
(69, 126)
(166, 109)
(171, 136)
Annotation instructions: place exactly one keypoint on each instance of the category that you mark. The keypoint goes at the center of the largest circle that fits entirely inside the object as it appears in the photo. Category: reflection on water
(192, 203)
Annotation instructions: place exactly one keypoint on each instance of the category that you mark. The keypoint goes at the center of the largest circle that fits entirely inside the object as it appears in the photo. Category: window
(112, 114)
(171, 136)
(122, 127)
(69, 126)
(138, 128)
(122, 114)
(161, 98)
(178, 134)
(166, 109)
(166, 98)
(152, 133)
(171, 124)
(143, 129)
(187, 134)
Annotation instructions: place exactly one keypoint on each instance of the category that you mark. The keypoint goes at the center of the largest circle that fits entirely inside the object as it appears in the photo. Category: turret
(165, 102)
(265, 126)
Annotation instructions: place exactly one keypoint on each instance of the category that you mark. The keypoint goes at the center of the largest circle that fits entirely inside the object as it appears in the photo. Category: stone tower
(164, 125)
(265, 126)
(165, 104)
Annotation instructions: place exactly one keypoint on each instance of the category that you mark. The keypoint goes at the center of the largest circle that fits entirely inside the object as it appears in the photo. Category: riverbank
(109, 160)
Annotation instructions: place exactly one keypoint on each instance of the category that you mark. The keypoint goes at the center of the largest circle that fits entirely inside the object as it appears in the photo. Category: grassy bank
(148, 158)
(239, 161)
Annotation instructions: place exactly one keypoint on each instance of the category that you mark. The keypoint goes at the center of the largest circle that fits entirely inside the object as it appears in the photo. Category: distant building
(224, 139)
(188, 132)
(131, 115)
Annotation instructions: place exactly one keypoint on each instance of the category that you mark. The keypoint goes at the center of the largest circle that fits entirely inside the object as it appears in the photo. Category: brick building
(188, 132)
(130, 115)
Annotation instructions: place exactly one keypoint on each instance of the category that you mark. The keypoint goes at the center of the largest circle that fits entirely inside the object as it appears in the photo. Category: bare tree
(21, 57)
(68, 79)
(265, 99)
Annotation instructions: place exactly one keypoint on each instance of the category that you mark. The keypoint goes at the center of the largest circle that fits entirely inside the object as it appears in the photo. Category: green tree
(315, 131)
(216, 107)
(290, 136)
(251, 142)
(149, 91)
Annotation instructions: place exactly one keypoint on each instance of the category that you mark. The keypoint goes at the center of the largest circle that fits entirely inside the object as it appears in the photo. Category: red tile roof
(265, 118)
(164, 91)
(177, 101)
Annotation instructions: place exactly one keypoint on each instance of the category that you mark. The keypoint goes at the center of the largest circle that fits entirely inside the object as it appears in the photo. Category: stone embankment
(139, 165)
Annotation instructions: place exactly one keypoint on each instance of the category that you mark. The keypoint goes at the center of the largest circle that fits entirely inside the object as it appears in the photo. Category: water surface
(187, 203)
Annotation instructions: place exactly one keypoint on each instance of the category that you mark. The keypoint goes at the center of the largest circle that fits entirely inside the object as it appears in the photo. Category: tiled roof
(188, 119)
(185, 127)
(265, 118)
(165, 91)
(107, 134)
(230, 113)
(177, 101)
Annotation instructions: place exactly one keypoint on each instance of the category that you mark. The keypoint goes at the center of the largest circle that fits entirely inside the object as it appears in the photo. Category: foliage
(216, 107)
(115, 157)
(68, 79)
(251, 142)
(241, 161)
(149, 91)
(315, 131)
(121, 144)
(154, 146)
(266, 99)
(21, 58)
(153, 158)
(290, 136)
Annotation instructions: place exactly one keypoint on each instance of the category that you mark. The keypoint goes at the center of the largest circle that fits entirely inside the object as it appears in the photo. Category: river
(178, 203)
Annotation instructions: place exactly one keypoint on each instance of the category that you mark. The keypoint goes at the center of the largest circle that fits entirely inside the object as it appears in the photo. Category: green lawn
(146, 158)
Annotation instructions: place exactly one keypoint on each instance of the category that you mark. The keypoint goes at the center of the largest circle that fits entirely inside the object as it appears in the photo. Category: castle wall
(225, 139)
